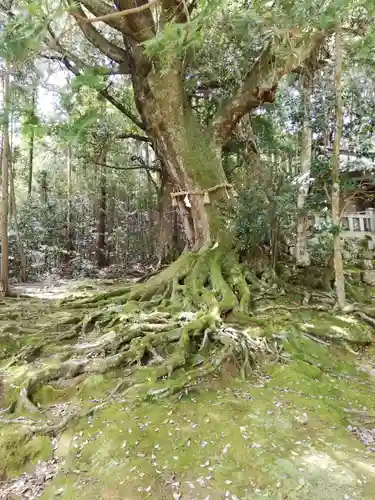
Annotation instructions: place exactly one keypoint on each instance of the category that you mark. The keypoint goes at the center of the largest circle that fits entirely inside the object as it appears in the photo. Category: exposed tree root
(316, 339)
(32, 427)
(367, 317)
(313, 307)
(163, 335)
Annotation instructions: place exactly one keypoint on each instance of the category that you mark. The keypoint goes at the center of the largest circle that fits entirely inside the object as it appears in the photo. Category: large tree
(175, 52)
(190, 152)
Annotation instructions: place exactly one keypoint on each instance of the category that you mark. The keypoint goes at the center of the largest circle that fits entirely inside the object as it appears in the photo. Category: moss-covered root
(171, 347)
(197, 281)
(19, 449)
(158, 334)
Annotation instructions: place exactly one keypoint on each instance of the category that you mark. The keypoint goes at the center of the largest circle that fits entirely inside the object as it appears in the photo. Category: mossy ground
(280, 434)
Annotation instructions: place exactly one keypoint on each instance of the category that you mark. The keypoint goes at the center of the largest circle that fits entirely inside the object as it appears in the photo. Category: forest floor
(301, 427)
(57, 289)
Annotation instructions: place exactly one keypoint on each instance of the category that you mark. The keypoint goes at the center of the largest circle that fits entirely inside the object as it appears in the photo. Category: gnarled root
(164, 335)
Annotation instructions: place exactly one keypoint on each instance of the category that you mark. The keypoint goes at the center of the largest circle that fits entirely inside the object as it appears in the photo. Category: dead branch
(135, 167)
(136, 137)
(115, 15)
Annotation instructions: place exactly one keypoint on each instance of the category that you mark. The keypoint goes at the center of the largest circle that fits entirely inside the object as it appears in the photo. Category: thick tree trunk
(168, 243)
(190, 156)
(337, 253)
(190, 152)
(302, 255)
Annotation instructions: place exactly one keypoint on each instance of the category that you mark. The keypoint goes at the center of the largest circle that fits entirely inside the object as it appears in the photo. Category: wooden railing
(359, 222)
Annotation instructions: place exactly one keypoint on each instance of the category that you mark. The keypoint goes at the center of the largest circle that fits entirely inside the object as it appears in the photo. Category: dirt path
(55, 289)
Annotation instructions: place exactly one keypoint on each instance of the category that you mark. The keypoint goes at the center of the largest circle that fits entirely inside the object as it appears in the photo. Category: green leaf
(92, 78)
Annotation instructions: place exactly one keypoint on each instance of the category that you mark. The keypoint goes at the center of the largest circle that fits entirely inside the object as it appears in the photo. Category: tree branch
(117, 54)
(53, 43)
(260, 83)
(102, 70)
(73, 64)
(129, 114)
(135, 167)
(136, 137)
(141, 25)
(114, 15)
(174, 10)
(100, 8)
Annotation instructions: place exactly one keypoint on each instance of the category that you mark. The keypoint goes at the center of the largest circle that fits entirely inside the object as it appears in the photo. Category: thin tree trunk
(275, 223)
(13, 204)
(337, 254)
(302, 255)
(69, 218)
(111, 209)
(150, 231)
(102, 216)
(43, 187)
(31, 149)
(21, 251)
(6, 155)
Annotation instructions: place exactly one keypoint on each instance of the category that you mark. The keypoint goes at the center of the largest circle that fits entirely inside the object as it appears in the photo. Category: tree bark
(69, 217)
(101, 257)
(43, 188)
(21, 251)
(13, 204)
(167, 248)
(337, 253)
(31, 149)
(189, 155)
(302, 255)
(6, 155)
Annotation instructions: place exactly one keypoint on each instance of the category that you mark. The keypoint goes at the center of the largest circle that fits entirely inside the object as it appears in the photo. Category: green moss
(9, 344)
(226, 297)
(274, 436)
(9, 394)
(48, 394)
(131, 306)
(194, 284)
(247, 439)
(95, 386)
(253, 437)
(19, 451)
